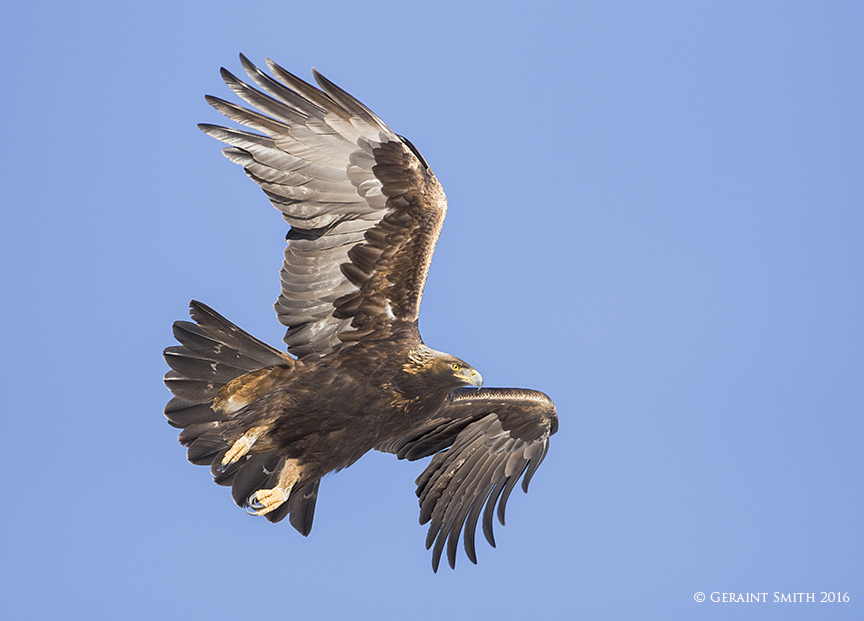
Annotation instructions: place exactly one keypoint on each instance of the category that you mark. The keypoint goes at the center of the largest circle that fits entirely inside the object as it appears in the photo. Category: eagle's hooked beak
(475, 379)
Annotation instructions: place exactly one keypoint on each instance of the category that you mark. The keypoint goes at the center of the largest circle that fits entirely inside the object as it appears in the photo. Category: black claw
(253, 503)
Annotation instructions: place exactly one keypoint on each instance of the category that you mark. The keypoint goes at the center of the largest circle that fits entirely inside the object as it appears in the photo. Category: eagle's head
(441, 370)
(463, 372)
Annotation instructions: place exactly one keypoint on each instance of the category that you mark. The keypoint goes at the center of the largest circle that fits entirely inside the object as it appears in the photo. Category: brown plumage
(365, 212)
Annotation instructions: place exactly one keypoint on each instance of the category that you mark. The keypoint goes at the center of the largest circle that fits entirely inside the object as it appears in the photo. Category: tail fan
(216, 371)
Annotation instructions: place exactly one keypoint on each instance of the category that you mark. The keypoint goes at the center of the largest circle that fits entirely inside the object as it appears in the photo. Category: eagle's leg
(266, 500)
(241, 447)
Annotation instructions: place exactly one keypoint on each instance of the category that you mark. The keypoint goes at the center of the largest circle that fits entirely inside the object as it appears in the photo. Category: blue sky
(656, 217)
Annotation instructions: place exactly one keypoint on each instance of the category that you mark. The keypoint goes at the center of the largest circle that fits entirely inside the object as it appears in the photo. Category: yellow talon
(241, 446)
(266, 500)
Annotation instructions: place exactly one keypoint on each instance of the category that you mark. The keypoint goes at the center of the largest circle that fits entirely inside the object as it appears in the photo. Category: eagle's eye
(456, 366)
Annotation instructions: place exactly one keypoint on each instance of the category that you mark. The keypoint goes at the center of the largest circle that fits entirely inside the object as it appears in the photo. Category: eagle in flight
(365, 211)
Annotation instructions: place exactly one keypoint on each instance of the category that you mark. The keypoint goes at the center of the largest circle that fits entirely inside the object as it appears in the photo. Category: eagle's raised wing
(494, 435)
(364, 208)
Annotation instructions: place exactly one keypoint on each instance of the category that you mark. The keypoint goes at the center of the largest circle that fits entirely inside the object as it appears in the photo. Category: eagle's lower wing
(494, 435)
(365, 210)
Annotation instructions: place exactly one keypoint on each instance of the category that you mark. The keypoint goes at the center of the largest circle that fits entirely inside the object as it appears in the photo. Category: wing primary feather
(471, 488)
(511, 483)
(471, 524)
(489, 512)
(456, 510)
(244, 116)
(319, 99)
(533, 465)
(271, 105)
(485, 482)
(298, 97)
(346, 100)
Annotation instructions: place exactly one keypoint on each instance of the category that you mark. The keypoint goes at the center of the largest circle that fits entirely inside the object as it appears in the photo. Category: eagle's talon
(242, 446)
(266, 500)
(223, 467)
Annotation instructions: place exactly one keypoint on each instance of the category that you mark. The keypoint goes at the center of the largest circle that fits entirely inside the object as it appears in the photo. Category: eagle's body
(391, 392)
(365, 212)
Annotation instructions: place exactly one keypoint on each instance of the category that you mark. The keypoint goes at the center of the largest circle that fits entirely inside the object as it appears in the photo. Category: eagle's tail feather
(301, 506)
(189, 416)
(216, 371)
(212, 354)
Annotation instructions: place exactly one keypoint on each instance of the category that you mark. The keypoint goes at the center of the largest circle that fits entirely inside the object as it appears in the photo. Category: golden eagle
(365, 211)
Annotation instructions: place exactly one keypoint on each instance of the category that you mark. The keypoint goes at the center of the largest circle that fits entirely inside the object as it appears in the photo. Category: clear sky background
(656, 217)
